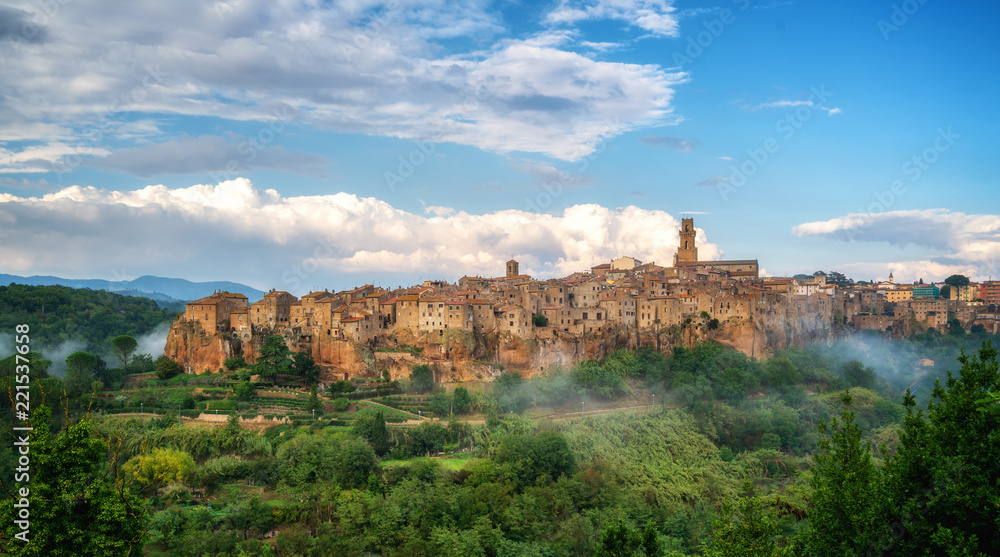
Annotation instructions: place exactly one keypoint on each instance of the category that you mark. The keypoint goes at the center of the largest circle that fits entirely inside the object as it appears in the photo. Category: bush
(341, 404)
(422, 378)
(166, 368)
(234, 363)
(244, 390)
(340, 387)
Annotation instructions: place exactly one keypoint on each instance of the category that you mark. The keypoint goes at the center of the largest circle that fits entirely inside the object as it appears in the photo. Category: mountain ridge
(163, 290)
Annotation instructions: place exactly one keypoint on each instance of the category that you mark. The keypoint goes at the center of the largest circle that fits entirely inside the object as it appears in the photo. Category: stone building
(212, 312)
(687, 256)
(273, 310)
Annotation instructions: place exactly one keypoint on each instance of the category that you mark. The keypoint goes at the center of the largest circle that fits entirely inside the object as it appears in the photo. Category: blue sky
(327, 144)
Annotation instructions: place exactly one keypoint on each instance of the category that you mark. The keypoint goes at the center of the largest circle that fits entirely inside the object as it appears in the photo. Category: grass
(389, 412)
(453, 463)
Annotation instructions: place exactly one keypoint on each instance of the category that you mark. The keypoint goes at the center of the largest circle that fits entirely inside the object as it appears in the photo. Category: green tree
(124, 346)
(305, 367)
(160, 468)
(847, 498)
(370, 426)
(78, 507)
(508, 389)
(462, 400)
(314, 405)
(781, 373)
(143, 363)
(341, 386)
(245, 390)
(354, 460)
(618, 540)
(422, 378)
(942, 480)
(540, 320)
(857, 374)
(274, 358)
(234, 363)
(81, 362)
(748, 528)
(957, 280)
(166, 368)
(80, 368)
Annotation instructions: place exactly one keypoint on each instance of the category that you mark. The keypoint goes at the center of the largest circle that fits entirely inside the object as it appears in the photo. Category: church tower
(686, 252)
(511, 268)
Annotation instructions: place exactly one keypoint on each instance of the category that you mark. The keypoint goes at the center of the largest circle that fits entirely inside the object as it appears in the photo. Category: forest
(866, 446)
(58, 314)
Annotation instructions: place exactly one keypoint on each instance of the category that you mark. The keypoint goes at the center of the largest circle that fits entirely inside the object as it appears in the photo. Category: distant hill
(165, 291)
(59, 314)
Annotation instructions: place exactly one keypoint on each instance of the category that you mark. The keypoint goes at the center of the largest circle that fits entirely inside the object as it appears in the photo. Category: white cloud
(679, 143)
(654, 16)
(366, 67)
(793, 104)
(208, 153)
(965, 244)
(238, 232)
(547, 175)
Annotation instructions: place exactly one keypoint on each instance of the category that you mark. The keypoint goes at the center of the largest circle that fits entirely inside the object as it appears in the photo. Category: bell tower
(686, 251)
(511, 268)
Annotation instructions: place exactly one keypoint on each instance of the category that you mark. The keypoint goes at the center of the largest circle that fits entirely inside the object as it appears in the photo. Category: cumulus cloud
(235, 231)
(964, 244)
(367, 67)
(209, 153)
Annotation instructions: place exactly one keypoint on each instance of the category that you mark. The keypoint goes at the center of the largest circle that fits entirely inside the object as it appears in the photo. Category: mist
(151, 343)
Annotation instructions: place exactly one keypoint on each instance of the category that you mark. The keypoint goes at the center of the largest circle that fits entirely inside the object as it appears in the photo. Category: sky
(302, 145)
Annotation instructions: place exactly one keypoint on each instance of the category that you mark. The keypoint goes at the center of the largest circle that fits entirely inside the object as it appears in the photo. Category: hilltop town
(477, 325)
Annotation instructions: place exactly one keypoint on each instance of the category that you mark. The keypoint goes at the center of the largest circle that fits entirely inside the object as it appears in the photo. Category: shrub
(341, 404)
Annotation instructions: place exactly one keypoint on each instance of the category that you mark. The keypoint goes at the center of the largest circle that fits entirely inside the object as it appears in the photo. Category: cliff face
(456, 355)
(196, 351)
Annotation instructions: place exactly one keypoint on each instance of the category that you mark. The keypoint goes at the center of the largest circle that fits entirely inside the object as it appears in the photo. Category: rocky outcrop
(197, 351)
(457, 355)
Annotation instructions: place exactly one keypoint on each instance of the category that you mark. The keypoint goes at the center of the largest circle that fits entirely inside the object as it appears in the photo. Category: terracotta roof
(276, 293)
